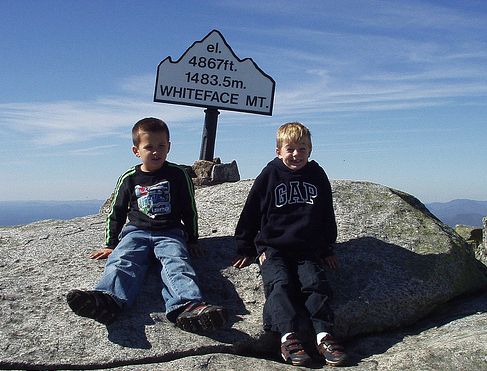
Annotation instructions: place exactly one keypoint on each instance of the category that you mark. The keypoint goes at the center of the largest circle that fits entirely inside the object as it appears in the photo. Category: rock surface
(409, 293)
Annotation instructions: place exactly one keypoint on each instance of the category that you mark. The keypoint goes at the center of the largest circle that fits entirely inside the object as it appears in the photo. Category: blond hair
(293, 132)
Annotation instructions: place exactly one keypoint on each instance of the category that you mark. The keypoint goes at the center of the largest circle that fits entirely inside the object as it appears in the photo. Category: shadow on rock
(364, 346)
(385, 292)
(214, 273)
(129, 329)
(382, 286)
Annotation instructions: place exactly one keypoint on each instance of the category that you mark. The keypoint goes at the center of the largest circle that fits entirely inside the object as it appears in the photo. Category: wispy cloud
(57, 123)
(345, 71)
(91, 150)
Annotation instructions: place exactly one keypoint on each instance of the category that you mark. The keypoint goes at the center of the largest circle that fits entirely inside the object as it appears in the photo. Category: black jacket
(288, 210)
(158, 200)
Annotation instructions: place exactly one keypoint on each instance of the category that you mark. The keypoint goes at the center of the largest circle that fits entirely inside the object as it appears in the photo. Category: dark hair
(148, 124)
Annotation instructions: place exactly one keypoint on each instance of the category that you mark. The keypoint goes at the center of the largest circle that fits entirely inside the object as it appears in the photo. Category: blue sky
(394, 92)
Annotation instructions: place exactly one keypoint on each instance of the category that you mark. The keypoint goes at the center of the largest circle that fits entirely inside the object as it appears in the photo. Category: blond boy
(288, 223)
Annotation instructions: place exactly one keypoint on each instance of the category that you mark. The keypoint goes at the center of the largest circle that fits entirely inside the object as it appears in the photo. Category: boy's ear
(278, 152)
(136, 151)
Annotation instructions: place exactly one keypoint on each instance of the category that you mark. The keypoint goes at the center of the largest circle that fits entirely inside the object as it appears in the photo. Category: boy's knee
(319, 287)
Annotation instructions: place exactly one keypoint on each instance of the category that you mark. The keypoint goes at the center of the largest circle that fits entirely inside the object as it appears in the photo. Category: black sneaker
(93, 304)
(292, 352)
(202, 317)
(333, 352)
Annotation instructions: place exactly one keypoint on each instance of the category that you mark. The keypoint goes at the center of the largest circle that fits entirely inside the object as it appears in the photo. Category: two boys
(287, 222)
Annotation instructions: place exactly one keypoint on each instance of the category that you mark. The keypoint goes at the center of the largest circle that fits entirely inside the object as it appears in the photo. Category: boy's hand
(332, 261)
(101, 254)
(195, 250)
(239, 261)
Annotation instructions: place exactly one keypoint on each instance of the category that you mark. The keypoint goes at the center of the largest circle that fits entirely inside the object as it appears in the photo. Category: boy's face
(153, 149)
(294, 155)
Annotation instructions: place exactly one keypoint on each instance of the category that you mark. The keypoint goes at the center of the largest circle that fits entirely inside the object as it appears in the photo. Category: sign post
(210, 75)
(209, 134)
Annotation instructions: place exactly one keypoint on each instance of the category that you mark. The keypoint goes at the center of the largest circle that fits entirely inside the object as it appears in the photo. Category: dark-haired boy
(157, 197)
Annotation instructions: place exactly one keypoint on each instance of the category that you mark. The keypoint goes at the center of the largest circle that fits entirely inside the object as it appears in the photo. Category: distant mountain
(467, 212)
(25, 212)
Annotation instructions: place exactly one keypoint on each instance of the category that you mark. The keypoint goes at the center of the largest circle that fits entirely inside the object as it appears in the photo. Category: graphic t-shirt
(158, 200)
(154, 200)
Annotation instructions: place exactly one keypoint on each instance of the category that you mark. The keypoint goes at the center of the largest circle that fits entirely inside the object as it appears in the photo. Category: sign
(210, 75)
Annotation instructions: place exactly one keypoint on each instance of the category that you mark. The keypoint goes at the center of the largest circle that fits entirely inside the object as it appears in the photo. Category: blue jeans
(127, 266)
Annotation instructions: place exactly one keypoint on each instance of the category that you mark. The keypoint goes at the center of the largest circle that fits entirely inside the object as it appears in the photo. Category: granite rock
(409, 293)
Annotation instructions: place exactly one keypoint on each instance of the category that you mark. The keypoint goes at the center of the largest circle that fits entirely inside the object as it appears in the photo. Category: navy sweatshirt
(158, 200)
(288, 210)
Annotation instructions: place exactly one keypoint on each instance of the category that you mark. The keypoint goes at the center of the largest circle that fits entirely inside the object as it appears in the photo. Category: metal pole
(209, 134)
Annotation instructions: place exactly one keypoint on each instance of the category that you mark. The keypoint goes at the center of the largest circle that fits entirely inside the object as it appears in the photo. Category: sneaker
(202, 317)
(93, 304)
(333, 352)
(292, 351)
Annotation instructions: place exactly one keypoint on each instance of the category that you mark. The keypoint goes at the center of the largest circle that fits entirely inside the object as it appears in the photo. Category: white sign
(209, 74)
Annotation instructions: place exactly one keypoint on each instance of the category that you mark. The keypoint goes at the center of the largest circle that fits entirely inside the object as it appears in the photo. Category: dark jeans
(291, 281)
